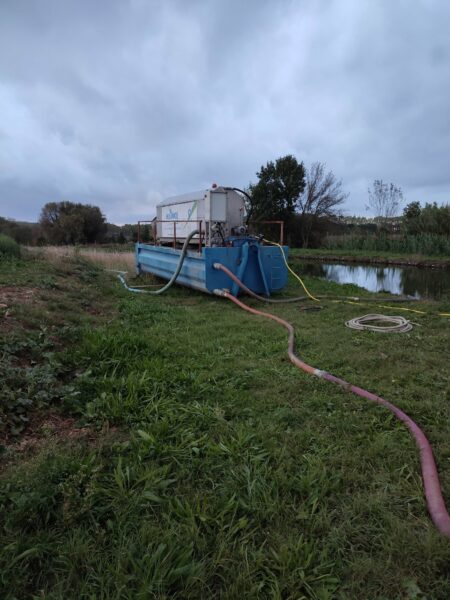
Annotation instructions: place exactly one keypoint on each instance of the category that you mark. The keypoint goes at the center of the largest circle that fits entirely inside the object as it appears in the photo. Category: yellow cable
(361, 302)
(420, 312)
(291, 271)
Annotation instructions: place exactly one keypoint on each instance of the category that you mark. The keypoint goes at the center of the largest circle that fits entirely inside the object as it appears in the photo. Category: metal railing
(280, 223)
(202, 233)
(154, 223)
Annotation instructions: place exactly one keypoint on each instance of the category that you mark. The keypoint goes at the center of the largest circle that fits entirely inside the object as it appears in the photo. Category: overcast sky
(123, 103)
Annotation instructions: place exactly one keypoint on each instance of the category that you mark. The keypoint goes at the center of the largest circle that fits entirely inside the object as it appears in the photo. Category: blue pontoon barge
(193, 232)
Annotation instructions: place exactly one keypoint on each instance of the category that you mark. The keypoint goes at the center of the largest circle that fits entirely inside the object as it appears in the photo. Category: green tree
(145, 234)
(72, 223)
(278, 189)
(431, 219)
(412, 211)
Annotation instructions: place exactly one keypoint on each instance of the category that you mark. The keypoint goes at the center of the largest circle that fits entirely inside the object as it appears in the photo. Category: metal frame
(280, 223)
(155, 221)
(199, 226)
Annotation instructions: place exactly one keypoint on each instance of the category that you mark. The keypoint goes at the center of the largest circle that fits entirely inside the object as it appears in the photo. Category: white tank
(217, 212)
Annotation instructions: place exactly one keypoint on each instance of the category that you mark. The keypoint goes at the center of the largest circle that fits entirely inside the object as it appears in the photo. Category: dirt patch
(11, 296)
(46, 432)
(93, 311)
(52, 427)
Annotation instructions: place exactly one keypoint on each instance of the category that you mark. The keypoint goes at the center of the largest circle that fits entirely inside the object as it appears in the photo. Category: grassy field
(165, 447)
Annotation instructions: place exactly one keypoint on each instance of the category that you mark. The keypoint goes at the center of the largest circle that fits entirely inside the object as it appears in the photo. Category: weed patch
(40, 315)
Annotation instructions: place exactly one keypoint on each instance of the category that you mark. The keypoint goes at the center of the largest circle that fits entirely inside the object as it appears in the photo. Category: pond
(409, 281)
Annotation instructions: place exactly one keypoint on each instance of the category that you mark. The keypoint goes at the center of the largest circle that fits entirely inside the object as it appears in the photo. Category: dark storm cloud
(123, 103)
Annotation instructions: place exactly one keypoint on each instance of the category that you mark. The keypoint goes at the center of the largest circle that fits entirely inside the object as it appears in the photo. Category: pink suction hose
(433, 494)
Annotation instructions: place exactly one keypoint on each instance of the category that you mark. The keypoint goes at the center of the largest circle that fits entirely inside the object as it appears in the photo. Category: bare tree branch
(384, 199)
(322, 196)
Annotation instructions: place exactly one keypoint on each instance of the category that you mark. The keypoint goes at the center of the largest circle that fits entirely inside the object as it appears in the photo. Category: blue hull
(260, 268)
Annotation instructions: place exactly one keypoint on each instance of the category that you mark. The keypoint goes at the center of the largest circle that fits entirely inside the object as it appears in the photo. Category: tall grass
(107, 258)
(9, 248)
(425, 243)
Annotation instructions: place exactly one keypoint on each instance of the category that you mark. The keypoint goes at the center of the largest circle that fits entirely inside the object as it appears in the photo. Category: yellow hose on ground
(421, 312)
(291, 271)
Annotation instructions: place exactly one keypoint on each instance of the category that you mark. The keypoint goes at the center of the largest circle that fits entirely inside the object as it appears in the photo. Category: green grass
(231, 473)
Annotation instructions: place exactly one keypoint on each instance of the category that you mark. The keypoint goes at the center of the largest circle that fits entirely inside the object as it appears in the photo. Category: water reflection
(411, 281)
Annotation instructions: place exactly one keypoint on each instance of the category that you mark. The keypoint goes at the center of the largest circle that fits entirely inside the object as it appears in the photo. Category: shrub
(8, 247)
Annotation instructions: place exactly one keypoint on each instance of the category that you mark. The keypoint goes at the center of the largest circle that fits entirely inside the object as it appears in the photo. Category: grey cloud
(122, 103)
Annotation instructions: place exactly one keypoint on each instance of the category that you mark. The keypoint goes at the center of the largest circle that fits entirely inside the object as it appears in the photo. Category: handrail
(154, 222)
(280, 223)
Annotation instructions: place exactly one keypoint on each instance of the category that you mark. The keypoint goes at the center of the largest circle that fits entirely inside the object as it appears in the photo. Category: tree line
(430, 219)
(63, 223)
(307, 200)
(420, 230)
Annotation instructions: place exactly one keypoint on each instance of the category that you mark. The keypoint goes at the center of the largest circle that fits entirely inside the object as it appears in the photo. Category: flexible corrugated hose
(171, 280)
(432, 488)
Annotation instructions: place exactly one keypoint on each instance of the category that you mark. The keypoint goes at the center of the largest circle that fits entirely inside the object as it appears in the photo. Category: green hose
(174, 276)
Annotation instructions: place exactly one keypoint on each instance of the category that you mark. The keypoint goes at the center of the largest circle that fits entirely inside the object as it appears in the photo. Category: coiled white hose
(397, 324)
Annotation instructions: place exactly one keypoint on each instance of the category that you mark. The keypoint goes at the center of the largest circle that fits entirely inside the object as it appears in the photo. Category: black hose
(174, 276)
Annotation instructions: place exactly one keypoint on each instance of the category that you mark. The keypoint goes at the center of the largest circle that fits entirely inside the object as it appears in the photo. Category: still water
(410, 281)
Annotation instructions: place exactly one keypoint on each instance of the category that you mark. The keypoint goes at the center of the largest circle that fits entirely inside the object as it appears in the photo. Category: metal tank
(220, 210)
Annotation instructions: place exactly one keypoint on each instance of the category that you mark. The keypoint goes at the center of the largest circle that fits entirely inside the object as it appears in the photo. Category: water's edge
(403, 279)
(376, 260)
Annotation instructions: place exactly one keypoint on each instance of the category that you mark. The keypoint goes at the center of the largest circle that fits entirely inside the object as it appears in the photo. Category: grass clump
(9, 248)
